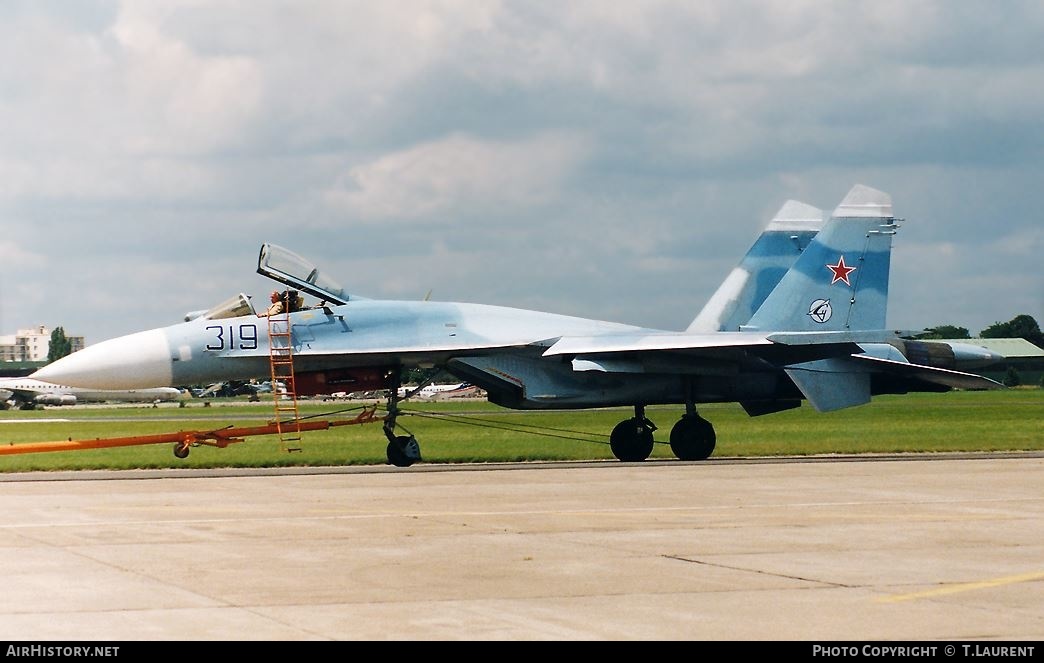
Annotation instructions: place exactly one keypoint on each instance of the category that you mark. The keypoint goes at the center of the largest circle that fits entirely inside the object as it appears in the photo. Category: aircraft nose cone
(136, 361)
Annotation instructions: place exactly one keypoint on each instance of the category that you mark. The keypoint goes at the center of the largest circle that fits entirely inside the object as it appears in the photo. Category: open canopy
(287, 267)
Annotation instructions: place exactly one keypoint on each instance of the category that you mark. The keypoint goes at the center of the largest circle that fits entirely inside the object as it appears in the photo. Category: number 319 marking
(246, 338)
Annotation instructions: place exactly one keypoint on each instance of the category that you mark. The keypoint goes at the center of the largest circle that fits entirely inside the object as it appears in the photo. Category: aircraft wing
(621, 352)
(781, 348)
(680, 341)
(646, 342)
(9, 392)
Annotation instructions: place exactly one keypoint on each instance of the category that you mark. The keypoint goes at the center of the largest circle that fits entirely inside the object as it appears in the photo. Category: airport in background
(27, 394)
(31, 345)
(1018, 354)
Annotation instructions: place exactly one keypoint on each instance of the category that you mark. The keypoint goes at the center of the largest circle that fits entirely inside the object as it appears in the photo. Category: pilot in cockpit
(288, 300)
(277, 304)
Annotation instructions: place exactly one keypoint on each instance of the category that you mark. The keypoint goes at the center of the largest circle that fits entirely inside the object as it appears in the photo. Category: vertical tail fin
(758, 273)
(840, 282)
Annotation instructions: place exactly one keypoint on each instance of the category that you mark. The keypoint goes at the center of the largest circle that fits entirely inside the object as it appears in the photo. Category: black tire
(181, 450)
(396, 451)
(628, 444)
(693, 438)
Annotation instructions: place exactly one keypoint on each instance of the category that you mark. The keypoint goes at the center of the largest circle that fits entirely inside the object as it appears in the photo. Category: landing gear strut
(632, 439)
(402, 450)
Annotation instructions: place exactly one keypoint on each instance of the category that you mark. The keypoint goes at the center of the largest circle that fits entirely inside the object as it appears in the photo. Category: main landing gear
(692, 438)
(632, 439)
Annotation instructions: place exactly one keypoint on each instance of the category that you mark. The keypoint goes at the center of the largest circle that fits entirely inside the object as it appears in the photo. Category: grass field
(475, 431)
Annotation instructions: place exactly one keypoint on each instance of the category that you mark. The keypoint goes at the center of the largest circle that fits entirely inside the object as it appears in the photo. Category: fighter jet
(803, 319)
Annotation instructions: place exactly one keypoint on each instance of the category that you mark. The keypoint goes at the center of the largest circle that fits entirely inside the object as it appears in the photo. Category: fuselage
(362, 344)
(355, 334)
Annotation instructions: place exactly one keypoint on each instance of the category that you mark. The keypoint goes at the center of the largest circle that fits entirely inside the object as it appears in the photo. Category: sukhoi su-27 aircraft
(801, 318)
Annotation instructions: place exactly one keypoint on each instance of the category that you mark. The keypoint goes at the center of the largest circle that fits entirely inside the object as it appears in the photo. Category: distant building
(1018, 353)
(32, 344)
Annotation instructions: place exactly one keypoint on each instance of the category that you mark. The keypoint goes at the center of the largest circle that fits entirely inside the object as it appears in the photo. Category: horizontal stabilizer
(831, 384)
(941, 376)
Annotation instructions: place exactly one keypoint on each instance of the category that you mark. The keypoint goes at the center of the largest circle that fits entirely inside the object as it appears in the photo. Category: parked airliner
(27, 393)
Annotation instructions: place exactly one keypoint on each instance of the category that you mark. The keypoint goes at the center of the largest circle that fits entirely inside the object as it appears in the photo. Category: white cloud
(17, 257)
(116, 113)
(179, 101)
(460, 171)
(618, 153)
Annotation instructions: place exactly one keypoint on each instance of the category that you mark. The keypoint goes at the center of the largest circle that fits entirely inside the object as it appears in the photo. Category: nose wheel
(402, 450)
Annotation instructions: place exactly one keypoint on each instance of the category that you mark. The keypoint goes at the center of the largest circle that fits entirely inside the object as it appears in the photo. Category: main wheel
(403, 451)
(630, 441)
(692, 438)
(181, 450)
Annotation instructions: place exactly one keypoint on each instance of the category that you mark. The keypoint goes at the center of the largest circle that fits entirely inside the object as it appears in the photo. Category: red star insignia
(841, 271)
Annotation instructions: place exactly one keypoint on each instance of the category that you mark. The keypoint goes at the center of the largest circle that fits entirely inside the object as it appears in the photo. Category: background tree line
(1021, 326)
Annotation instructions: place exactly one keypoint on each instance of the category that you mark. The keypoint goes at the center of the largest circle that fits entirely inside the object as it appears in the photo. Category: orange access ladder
(280, 353)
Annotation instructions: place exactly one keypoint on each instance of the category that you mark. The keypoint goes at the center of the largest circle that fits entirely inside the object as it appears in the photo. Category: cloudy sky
(605, 159)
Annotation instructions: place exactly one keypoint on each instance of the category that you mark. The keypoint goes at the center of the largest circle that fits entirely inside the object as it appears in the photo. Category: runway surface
(909, 548)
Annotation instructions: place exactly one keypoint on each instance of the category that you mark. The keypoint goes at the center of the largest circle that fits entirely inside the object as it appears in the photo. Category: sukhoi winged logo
(841, 271)
(820, 310)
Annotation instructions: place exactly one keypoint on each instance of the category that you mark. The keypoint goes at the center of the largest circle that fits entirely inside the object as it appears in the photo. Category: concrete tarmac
(917, 548)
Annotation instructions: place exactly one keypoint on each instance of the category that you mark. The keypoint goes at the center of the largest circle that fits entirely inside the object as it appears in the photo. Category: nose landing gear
(402, 450)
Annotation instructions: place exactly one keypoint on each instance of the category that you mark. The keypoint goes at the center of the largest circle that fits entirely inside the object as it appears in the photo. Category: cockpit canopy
(230, 308)
(287, 267)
